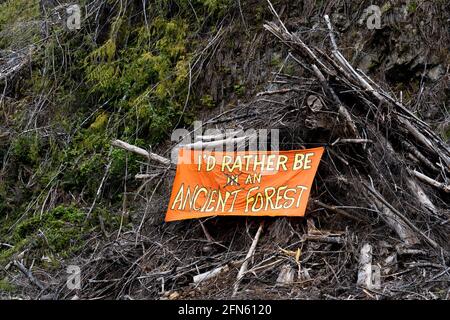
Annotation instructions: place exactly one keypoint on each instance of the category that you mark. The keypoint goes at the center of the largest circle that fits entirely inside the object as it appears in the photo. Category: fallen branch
(218, 136)
(286, 275)
(215, 272)
(323, 238)
(417, 190)
(142, 152)
(432, 182)
(272, 92)
(144, 176)
(250, 253)
(29, 275)
(14, 69)
(392, 220)
(342, 110)
(408, 251)
(210, 274)
(99, 190)
(351, 141)
(411, 225)
(416, 153)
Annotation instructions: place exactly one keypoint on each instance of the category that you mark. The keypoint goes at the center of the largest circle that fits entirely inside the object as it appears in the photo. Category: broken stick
(250, 253)
(366, 269)
(432, 182)
(215, 272)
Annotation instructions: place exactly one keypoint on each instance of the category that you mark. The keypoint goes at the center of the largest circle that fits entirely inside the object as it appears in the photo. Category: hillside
(136, 71)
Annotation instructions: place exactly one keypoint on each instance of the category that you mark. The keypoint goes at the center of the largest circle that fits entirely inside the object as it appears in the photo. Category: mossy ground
(128, 81)
(58, 232)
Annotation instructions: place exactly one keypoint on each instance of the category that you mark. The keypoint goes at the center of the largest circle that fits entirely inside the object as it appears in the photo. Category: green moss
(151, 72)
(100, 122)
(17, 11)
(58, 233)
(120, 163)
(110, 221)
(5, 255)
(260, 12)
(216, 5)
(386, 7)
(447, 134)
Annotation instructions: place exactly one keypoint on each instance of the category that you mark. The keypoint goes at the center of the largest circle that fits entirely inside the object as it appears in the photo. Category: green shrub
(128, 81)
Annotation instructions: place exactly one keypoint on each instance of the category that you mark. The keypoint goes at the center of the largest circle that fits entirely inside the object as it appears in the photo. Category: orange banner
(209, 183)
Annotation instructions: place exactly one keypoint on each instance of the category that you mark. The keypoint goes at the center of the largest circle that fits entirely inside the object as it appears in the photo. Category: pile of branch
(390, 161)
(399, 140)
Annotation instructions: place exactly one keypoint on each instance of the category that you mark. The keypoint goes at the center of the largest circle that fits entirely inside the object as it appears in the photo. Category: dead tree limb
(29, 275)
(342, 110)
(142, 152)
(431, 182)
(417, 190)
(337, 210)
(365, 266)
(249, 255)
